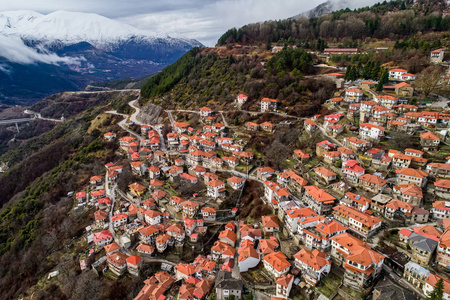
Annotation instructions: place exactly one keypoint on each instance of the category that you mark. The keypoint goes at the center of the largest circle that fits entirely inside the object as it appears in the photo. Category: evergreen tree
(383, 80)
(348, 73)
(355, 73)
(359, 70)
(438, 291)
(374, 74)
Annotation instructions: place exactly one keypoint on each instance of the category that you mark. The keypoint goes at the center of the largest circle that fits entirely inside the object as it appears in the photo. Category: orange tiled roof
(284, 280)
(315, 259)
(373, 179)
(270, 221)
(365, 219)
(318, 194)
(277, 260)
(412, 172)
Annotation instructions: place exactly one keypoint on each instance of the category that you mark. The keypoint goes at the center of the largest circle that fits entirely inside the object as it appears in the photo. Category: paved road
(169, 113)
(224, 121)
(38, 115)
(133, 117)
(334, 140)
(13, 121)
(123, 124)
(97, 92)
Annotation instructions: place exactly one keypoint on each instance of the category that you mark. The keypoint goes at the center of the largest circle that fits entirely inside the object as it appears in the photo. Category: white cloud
(13, 49)
(209, 21)
(203, 20)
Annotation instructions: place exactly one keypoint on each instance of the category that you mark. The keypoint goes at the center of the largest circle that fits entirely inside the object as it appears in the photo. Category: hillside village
(366, 196)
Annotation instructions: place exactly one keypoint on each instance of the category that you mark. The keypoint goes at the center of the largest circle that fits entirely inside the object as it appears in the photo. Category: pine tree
(438, 291)
(383, 80)
(374, 74)
(348, 73)
(355, 73)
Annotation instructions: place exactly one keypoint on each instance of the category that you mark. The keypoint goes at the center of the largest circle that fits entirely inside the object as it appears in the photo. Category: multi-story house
(356, 144)
(102, 238)
(442, 188)
(352, 170)
(270, 224)
(119, 219)
(284, 285)
(215, 188)
(274, 192)
(429, 141)
(148, 234)
(437, 56)
(268, 104)
(353, 94)
(397, 209)
(325, 175)
(443, 250)
(177, 232)
(205, 111)
(430, 286)
(387, 101)
(117, 263)
(441, 210)
(428, 118)
(372, 183)
(361, 264)
(331, 157)
(411, 176)
(162, 241)
(294, 215)
(241, 99)
(396, 74)
(371, 131)
(319, 236)
(411, 193)
(152, 217)
(189, 208)
(236, 182)
(276, 264)
(222, 250)
(438, 170)
(356, 201)
(416, 274)
(323, 147)
(314, 265)
(209, 213)
(358, 222)
(226, 286)
(319, 200)
(310, 125)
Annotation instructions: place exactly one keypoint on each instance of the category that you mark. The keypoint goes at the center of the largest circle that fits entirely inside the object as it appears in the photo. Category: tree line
(394, 20)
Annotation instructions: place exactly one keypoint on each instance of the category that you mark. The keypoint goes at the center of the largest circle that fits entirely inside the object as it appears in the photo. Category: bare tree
(429, 80)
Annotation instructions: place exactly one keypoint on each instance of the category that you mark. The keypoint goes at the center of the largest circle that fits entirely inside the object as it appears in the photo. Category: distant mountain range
(45, 54)
(333, 5)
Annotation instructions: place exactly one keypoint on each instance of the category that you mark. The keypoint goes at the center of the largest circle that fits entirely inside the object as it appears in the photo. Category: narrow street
(137, 110)
(329, 137)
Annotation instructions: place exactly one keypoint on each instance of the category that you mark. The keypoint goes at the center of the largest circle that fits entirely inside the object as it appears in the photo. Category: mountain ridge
(334, 5)
(89, 47)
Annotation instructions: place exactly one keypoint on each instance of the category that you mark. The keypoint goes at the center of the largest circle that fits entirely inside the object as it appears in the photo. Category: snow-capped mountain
(72, 49)
(333, 5)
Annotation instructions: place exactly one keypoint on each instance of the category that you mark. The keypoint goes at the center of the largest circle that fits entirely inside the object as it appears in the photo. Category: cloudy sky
(204, 20)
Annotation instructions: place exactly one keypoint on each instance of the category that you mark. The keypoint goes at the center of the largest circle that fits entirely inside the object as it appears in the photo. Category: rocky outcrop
(151, 113)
